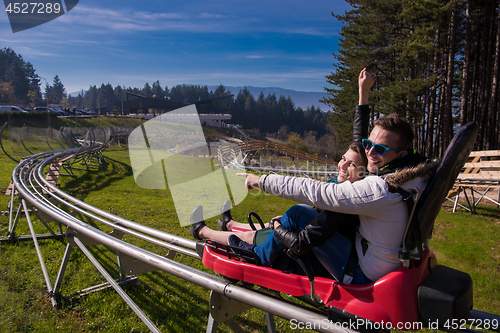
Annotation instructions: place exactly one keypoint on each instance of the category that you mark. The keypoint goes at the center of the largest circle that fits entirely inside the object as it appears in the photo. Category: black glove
(315, 233)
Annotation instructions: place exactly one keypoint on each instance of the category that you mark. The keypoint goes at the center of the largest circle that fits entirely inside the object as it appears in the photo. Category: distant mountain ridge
(303, 99)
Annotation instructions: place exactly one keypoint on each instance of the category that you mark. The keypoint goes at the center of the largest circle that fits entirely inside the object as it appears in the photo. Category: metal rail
(1, 144)
(38, 195)
(228, 156)
(227, 300)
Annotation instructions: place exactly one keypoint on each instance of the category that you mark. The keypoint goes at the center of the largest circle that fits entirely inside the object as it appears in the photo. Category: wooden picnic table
(480, 175)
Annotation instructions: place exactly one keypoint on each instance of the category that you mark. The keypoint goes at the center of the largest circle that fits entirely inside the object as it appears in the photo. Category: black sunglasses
(379, 149)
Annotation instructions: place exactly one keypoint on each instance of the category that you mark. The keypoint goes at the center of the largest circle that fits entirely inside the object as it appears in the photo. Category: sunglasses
(379, 149)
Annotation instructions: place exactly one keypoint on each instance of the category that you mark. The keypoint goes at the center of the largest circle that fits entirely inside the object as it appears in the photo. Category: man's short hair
(395, 124)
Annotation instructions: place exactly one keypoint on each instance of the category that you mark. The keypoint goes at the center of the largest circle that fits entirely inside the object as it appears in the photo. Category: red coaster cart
(421, 291)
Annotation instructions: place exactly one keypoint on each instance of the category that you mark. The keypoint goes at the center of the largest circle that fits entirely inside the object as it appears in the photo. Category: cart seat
(393, 298)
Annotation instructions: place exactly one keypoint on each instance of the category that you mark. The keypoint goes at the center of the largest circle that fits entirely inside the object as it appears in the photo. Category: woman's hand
(251, 181)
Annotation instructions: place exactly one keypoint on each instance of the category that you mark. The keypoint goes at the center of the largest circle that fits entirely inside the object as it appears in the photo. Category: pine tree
(147, 91)
(157, 90)
(56, 92)
(20, 76)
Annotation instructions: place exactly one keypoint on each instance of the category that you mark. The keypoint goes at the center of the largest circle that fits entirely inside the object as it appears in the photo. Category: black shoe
(235, 241)
(195, 228)
(225, 210)
(222, 226)
(197, 222)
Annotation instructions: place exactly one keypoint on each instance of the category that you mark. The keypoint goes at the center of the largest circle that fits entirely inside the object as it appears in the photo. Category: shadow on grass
(95, 180)
(490, 211)
(162, 297)
(172, 298)
(181, 302)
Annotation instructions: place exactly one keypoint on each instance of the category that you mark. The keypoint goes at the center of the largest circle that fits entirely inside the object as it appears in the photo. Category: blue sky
(284, 43)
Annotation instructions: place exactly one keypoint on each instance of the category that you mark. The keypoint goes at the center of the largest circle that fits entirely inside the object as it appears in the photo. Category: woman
(352, 167)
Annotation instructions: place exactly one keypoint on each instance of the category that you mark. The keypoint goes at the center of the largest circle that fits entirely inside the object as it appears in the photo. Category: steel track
(37, 194)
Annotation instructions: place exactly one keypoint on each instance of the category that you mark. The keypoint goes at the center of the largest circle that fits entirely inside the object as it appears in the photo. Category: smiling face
(387, 138)
(351, 167)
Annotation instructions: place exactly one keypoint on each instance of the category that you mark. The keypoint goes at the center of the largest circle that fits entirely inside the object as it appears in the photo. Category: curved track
(38, 194)
(254, 145)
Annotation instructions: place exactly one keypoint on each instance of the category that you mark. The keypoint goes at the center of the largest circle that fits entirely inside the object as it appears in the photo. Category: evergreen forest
(269, 115)
(436, 63)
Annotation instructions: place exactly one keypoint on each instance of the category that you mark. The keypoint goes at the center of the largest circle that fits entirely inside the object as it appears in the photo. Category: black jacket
(360, 124)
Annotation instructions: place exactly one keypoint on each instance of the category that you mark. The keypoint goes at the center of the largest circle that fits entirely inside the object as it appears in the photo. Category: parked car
(11, 108)
(83, 112)
(44, 108)
(60, 112)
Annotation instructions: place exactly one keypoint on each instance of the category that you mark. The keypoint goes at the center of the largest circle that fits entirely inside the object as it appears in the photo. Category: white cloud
(35, 52)
(209, 15)
(100, 20)
(131, 21)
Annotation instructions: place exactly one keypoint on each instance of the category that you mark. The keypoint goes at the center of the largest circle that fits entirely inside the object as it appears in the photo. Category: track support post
(223, 310)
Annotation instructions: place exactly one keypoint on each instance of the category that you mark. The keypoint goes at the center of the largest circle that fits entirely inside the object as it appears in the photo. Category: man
(382, 213)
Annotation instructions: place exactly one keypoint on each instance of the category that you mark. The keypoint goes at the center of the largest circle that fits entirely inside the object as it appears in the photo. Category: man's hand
(252, 180)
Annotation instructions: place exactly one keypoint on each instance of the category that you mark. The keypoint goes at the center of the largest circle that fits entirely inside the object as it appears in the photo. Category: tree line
(270, 115)
(20, 84)
(278, 117)
(106, 95)
(436, 63)
(265, 114)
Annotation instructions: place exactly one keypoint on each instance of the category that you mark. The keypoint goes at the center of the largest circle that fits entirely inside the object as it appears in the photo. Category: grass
(25, 306)
(463, 241)
(40, 120)
(470, 243)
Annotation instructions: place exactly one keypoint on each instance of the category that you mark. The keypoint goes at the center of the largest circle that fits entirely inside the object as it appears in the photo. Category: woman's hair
(358, 148)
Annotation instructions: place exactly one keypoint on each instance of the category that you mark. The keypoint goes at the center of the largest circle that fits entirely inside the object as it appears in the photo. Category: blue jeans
(333, 253)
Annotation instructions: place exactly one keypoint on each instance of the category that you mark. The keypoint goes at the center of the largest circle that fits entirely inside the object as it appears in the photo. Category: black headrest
(442, 180)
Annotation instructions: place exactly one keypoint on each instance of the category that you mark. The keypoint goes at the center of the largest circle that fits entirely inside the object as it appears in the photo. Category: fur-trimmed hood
(405, 175)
